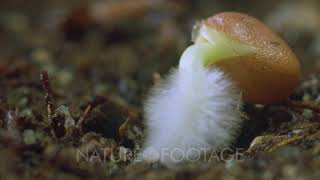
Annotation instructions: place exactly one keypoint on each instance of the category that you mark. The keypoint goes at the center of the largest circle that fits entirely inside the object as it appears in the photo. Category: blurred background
(102, 57)
(119, 45)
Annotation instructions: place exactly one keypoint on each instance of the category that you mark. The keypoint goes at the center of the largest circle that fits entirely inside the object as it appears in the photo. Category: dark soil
(99, 72)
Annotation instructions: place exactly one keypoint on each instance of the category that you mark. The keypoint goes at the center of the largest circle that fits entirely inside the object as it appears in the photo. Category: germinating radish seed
(258, 61)
(234, 56)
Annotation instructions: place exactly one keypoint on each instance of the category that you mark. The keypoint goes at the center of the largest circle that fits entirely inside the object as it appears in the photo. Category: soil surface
(74, 74)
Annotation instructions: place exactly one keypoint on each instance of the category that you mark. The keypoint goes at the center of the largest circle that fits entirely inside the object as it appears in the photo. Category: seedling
(260, 63)
(197, 106)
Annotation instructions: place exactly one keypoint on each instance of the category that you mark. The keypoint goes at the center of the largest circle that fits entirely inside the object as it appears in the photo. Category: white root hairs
(194, 108)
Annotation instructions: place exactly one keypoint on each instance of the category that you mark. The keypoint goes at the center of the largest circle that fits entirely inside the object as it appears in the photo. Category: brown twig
(48, 96)
(124, 127)
(82, 119)
(303, 105)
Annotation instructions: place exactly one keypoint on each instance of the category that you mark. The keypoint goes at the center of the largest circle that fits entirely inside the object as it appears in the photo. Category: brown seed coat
(271, 73)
